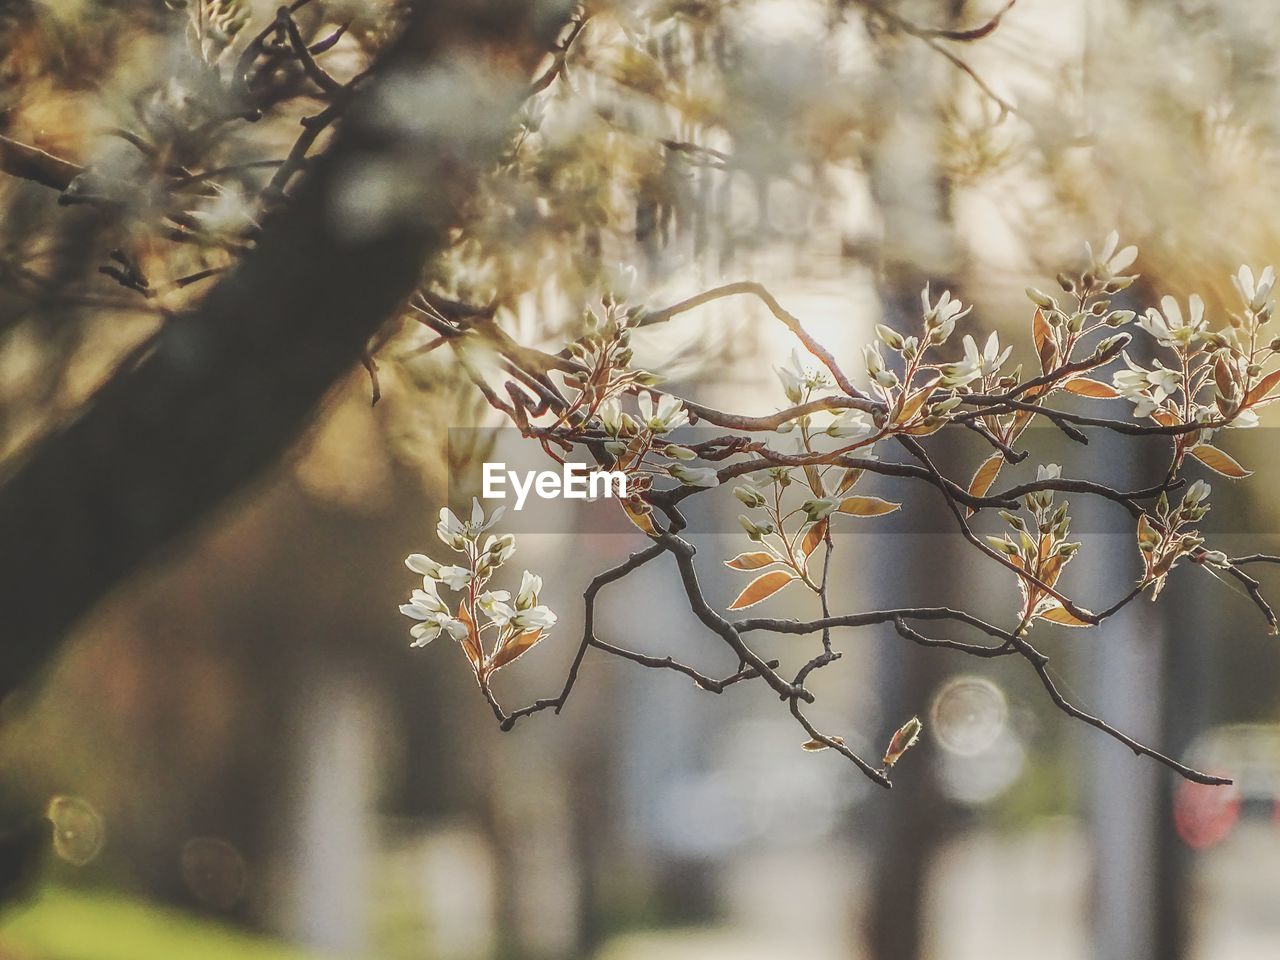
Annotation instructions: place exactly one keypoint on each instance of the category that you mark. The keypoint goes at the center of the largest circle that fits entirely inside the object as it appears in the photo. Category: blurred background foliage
(253, 755)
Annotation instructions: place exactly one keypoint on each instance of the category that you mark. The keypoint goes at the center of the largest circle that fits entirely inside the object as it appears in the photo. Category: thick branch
(228, 388)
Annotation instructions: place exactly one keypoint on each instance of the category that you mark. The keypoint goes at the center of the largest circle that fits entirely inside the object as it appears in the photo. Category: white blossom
(535, 618)
(456, 533)
(851, 424)
(610, 413)
(530, 587)
(820, 507)
(694, 476)
(495, 604)
(875, 366)
(1197, 493)
(1107, 262)
(797, 378)
(1168, 326)
(432, 615)
(1255, 294)
(945, 312)
(664, 415)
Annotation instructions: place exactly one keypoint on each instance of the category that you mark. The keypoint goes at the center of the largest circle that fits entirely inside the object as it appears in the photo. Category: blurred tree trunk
(913, 196)
(224, 391)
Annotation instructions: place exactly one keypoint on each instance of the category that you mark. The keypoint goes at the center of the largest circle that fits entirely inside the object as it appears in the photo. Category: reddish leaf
(761, 588)
(1216, 459)
(814, 745)
(751, 561)
(903, 739)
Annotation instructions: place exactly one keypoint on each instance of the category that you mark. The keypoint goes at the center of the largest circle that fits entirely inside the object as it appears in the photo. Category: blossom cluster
(493, 627)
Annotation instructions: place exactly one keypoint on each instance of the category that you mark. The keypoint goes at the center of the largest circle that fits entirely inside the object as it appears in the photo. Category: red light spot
(1204, 814)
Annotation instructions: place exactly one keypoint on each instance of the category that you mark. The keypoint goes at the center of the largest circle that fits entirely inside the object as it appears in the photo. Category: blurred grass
(63, 924)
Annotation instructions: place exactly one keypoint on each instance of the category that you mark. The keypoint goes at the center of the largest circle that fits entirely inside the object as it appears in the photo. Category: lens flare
(78, 829)
(214, 871)
(968, 714)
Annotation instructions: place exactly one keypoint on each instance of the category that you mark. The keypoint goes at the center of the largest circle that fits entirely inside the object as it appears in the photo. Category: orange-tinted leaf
(867, 506)
(1222, 377)
(924, 430)
(1040, 331)
(850, 477)
(1051, 570)
(985, 476)
(1164, 417)
(471, 642)
(814, 745)
(1263, 387)
(641, 520)
(761, 588)
(1217, 460)
(813, 537)
(911, 406)
(1084, 387)
(514, 647)
(1060, 615)
(751, 561)
(1046, 349)
(815, 479)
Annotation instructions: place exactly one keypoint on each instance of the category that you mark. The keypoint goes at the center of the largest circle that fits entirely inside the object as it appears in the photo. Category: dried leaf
(1061, 615)
(761, 588)
(1084, 387)
(514, 647)
(867, 506)
(752, 561)
(813, 537)
(1217, 460)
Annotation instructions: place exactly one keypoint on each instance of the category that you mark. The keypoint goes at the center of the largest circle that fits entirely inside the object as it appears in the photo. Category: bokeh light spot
(78, 829)
(214, 871)
(969, 713)
(1204, 814)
